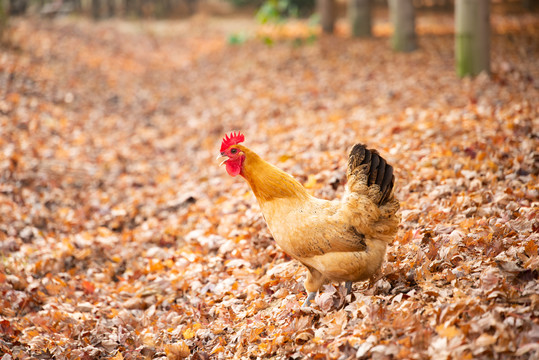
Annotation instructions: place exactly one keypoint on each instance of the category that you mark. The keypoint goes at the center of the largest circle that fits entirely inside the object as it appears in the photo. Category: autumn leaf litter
(120, 236)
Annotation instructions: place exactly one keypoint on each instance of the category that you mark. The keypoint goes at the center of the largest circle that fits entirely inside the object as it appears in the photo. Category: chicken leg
(348, 286)
(313, 283)
(310, 297)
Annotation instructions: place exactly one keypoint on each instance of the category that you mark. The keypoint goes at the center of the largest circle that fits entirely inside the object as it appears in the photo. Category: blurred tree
(166, 8)
(96, 9)
(360, 14)
(77, 6)
(140, 8)
(472, 37)
(111, 8)
(17, 7)
(530, 5)
(134, 8)
(191, 6)
(128, 7)
(402, 15)
(328, 13)
(3, 19)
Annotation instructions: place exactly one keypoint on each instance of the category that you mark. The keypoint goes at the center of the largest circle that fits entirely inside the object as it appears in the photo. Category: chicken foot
(310, 297)
(313, 282)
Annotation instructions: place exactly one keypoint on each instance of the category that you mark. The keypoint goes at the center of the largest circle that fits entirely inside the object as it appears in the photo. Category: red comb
(233, 139)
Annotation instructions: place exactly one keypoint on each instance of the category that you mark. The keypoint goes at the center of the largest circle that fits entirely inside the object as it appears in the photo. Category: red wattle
(233, 168)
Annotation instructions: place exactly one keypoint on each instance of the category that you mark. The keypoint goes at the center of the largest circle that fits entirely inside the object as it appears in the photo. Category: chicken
(338, 240)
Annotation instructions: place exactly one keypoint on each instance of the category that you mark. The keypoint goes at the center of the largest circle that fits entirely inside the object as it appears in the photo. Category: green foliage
(311, 39)
(268, 40)
(278, 10)
(305, 7)
(314, 20)
(237, 38)
(306, 38)
(272, 11)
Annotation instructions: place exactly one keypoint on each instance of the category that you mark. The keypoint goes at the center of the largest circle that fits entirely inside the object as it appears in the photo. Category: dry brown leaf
(176, 351)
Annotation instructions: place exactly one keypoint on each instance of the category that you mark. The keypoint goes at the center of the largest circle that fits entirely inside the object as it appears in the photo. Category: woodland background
(121, 238)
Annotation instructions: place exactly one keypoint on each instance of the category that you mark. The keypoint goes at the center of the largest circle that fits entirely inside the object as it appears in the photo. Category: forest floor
(121, 237)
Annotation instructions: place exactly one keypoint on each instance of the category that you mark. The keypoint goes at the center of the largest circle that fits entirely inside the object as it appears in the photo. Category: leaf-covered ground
(121, 237)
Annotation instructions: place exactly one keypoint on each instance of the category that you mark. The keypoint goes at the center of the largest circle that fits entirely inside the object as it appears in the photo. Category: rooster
(338, 240)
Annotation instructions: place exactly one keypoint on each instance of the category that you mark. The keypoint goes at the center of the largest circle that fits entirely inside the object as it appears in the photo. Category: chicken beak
(222, 159)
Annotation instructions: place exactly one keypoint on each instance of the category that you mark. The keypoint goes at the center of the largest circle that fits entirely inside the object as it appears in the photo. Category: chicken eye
(234, 150)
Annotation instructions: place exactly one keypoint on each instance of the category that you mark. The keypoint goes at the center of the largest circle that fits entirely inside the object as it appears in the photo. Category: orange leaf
(188, 334)
(118, 356)
(13, 98)
(88, 287)
(531, 248)
(217, 349)
(448, 331)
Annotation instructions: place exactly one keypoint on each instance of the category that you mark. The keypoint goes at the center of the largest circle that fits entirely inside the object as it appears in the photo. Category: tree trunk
(402, 15)
(359, 15)
(128, 7)
(327, 11)
(3, 19)
(96, 9)
(167, 8)
(472, 37)
(191, 7)
(140, 5)
(77, 6)
(111, 8)
(17, 7)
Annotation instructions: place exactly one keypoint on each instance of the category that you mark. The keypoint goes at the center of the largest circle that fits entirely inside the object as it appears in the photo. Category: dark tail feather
(387, 184)
(378, 171)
